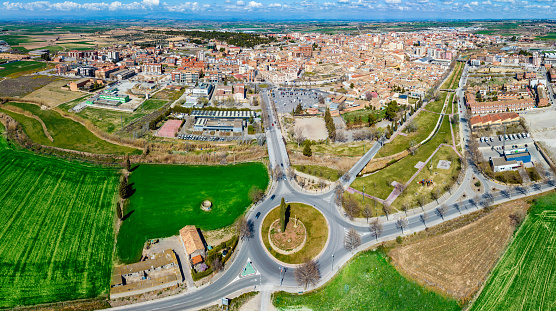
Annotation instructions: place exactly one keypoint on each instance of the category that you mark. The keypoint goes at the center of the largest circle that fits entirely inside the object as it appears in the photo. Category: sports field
(367, 282)
(525, 276)
(56, 229)
(20, 66)
(65, 132)
(168, 197)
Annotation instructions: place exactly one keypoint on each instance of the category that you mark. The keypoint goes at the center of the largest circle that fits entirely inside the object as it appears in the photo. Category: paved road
(334, 254)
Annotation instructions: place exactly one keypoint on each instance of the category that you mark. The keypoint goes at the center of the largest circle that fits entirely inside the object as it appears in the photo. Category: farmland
(23, 85)
(367, 282)
(57, 238)
(524, 278)
(168, 197)
(458, 262)
(66, 133)
(20, 66)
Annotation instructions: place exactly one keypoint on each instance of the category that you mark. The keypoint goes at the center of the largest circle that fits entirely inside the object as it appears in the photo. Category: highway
(269, 277)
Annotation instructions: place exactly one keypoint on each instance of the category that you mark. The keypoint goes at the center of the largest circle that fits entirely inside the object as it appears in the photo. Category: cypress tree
(283, 215)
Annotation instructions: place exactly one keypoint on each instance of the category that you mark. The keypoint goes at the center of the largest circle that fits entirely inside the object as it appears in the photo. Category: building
(223, 125)
(493, 120)
(227, 114)
(192, 242)
(203, 89)
(152, 68)
(160, 270)
(185, 76)
(502, 106)
(116, 98)
(511, 160)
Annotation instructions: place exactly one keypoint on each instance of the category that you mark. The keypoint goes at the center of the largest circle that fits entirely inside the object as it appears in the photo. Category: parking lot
(493, 147)
(206, 138)
(286, 99)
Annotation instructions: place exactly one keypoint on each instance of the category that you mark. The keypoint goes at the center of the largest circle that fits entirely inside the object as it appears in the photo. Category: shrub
(199, 275)
(399, 239)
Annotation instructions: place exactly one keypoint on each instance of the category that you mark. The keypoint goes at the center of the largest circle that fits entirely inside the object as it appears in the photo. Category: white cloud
(474, 3)
(151, 2)
(255, 5)
(274, 5)
(393, 1)
(240, 3)
(486, 2)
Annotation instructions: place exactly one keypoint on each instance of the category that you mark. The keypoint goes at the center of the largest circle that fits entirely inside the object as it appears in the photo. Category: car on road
(258, 215)
(272, 197)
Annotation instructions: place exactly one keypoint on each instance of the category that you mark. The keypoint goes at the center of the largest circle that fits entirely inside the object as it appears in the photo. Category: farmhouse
(160, 270)
(192, 243)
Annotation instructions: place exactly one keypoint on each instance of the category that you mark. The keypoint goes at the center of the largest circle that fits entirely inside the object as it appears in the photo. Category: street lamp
(281, 276)
(332, 262)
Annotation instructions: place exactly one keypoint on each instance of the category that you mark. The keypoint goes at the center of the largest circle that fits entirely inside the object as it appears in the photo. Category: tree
(298, 135)
(217, 264)
(255, 194)
(341, 136)
(127, 163)
(283, 220)
(412, 147)
(424, 218)
(308, 273)
(352, 240)
(376, 228)
(119, 211)
(307, 150)
(277, 173)
(291, 172)
(244, 228)
(367, 212)
(351, 85)
(441, 210)
(421, 201)
(339, 194)
(517, 217)
(386, 209)
(405, 207)
(402, 223)
(351, 207)
(123, 188)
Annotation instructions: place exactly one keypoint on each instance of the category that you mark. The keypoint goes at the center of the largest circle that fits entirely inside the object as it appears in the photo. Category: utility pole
(332, 262)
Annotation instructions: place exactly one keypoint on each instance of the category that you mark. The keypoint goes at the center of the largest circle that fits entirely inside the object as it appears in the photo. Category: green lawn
(57, 235)
(109, 120)
(426, 121)
(20, 66)
(378, 184)
(525, 276)
(364, 114)
(168, 197)
(315, 224)
(367, 282)
(319, 171)
(67, 133)
(152, 104)
(438, 104)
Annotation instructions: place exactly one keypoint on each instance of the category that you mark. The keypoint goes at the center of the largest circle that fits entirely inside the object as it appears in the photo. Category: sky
(268, 10)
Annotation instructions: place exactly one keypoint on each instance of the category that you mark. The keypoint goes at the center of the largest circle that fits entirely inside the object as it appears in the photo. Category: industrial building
(225, 114)
(224, 125)
(511, 160)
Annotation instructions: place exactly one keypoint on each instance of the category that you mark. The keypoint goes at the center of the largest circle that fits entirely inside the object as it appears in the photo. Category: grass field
(20, 66)
(56, 237)
(426, 121)
(319, 171)
(367, 282)
(168, 197)
(67, 133)
(525, 276)
(379, 183)
(351, 149)
(315, 224)
(364, 114)
(152, 104)
(438, 104)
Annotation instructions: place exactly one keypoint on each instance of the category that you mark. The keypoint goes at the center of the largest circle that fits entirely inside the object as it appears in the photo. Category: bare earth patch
(53, 94)
(314, 128)
(458, 262)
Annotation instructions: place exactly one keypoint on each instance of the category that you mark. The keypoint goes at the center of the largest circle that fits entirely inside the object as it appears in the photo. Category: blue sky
(281, 9)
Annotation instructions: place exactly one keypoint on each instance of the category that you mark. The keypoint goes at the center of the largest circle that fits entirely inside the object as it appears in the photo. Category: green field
(20, 66)
(319, 171)
(168, 197)
(425, 121)
(66, 133)
(367, 282)
(152, 104)
(57, 235)
(438, 104)
(379, 183)
(548, 36)
(364, 114)
(525, 276)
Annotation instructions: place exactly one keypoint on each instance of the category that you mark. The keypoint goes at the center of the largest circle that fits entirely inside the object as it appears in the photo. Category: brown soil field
(23, 85)
(458, 262)
(53, 94)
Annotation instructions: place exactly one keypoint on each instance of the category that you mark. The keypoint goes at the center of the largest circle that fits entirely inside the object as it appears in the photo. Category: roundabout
(305, 236)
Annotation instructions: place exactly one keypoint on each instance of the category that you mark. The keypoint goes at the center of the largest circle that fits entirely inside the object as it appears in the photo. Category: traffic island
(304, 237)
